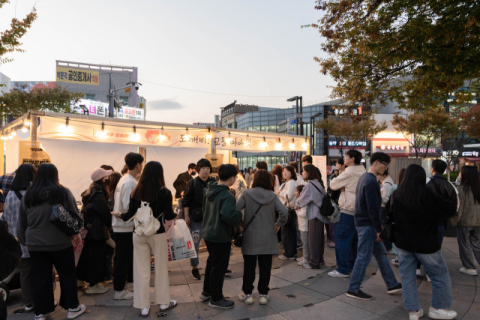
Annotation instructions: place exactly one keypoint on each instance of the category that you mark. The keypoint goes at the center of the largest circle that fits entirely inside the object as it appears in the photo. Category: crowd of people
(256, 208)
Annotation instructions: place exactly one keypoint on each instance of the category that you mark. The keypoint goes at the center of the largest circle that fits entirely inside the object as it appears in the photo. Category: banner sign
(55, 128)
(321, 163)
(78, 76)
(95, 108)
(131, 113)
(33, 153)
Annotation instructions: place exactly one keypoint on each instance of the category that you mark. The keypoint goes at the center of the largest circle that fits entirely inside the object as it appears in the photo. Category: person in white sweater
(346, 236)
(124, 230)
(303, 228)
(286, 194)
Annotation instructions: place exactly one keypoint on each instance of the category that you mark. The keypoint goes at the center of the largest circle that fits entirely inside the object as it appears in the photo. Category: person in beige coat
(467, 219)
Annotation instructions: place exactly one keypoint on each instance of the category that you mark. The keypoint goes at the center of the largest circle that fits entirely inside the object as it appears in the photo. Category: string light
(263, 145)
(10, 135)
(24, 128)
(292, 145)
(162, 136)
(209, 135)
(187, 136)
(4, 137)
(278, 145)
(102, 134)
(66, 128)
(27, 121)
(135, 137)
(304, 144)
(228, 140)
(13, 132)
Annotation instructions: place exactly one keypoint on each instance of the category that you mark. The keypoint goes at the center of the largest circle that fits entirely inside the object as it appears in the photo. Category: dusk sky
(237, 48)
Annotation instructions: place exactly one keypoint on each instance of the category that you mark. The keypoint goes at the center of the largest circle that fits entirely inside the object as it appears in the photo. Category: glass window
(125, 100)
(90, 96)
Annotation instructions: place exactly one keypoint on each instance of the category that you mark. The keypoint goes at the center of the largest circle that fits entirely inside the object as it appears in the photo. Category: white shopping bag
(180, 242)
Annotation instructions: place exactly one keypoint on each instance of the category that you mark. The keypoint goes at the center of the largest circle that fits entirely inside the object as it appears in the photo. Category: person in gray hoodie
(312, 198)
(47, 244)
(260, 238)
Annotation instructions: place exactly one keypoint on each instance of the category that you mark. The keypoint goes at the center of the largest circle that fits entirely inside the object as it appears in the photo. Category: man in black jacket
(182, 180)
(193, 207)
(438, 184)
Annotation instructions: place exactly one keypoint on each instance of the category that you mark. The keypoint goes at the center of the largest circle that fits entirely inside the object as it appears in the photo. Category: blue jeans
(346, 242)
(367, 245)
(437, 271)
(441, 234)
(333, 231)
(196, 230)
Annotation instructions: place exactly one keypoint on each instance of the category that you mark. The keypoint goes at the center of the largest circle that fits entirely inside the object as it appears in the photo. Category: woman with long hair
(151, 189)
(23, 179)
(312, 198)
(416, 211)
(112, 186)
(249, 177)
(467, 219)
(47, 244)
(286, 194)
(98, 220)
(260, 239)
(277, 173)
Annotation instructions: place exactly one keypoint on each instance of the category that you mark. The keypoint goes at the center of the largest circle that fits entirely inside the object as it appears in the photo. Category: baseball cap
(100, 173)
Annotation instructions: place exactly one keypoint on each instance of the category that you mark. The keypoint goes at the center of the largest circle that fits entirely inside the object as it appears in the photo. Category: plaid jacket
(6, 183)
(10, 215)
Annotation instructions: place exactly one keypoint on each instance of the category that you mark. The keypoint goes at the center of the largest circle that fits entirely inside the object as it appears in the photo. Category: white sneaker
(123, 295)
(307, 266)
(264, 299)
(415, 315)
(96, 289)
(441, 313)
(73, 313)
(300, 259)
(282, 257)
(40, 317)
(145, 312)
(337, 274)
(247, 298)
(419, 272)
(470, 272)
(302, 262)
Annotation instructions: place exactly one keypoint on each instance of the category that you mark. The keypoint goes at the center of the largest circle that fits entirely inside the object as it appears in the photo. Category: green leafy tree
(18, 102)
(10, 39)
(350, 127)
(414, 52)
(424, 130)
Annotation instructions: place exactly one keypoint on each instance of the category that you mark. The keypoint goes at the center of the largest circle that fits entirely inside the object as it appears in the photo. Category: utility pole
(111, 104)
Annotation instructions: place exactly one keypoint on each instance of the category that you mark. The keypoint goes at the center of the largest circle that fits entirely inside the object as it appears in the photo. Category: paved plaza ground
(295, 294)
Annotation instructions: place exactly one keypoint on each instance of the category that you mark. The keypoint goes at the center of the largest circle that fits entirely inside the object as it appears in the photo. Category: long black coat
(91, 266)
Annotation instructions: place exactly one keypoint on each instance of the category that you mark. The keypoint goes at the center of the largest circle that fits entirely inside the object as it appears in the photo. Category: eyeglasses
(384, 163)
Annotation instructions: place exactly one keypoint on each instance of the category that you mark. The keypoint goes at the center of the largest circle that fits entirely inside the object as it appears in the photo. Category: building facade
(230, 113)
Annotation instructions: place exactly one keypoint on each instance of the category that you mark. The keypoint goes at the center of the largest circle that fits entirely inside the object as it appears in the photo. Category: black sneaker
(359, 295)
(228, 273)
(222, 304)
(196, 274)
(205, 296)
(395, 289)
(322, 263)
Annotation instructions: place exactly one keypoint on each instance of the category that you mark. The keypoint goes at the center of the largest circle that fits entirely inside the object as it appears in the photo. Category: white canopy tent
(78, 144)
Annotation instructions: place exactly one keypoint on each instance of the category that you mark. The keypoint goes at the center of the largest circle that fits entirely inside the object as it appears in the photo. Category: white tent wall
(176, 160)
(75, 160)
(12, 154)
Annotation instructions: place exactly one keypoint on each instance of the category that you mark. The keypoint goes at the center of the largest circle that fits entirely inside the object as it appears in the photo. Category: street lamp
(299, 114)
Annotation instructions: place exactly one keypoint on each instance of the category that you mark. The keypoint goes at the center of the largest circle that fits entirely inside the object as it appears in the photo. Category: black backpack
(327, 208)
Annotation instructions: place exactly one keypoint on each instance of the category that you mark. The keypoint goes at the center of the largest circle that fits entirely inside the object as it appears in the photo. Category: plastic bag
(180, 242)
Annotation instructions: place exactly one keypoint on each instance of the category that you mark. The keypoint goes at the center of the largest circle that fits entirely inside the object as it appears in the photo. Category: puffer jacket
(468, 215)
(348, 180)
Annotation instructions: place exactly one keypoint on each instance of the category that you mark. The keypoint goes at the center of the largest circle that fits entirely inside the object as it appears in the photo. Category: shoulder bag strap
(317, 188)
(254, 215)
(19, 195)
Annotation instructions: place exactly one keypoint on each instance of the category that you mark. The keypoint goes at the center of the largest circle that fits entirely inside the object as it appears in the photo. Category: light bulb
(304, 145)
(292, 146)
(162, 138)
(278, 146)
(186, 137)
(24, 129)
(13, 133)
(209, 136)
(27, 122)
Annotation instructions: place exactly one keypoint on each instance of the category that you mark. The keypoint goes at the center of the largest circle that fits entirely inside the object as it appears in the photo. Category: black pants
(249, 265)
(217, 264)
(289, 235)
(26, 280)
(42, 264)
(316, 241)
(124, 262)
